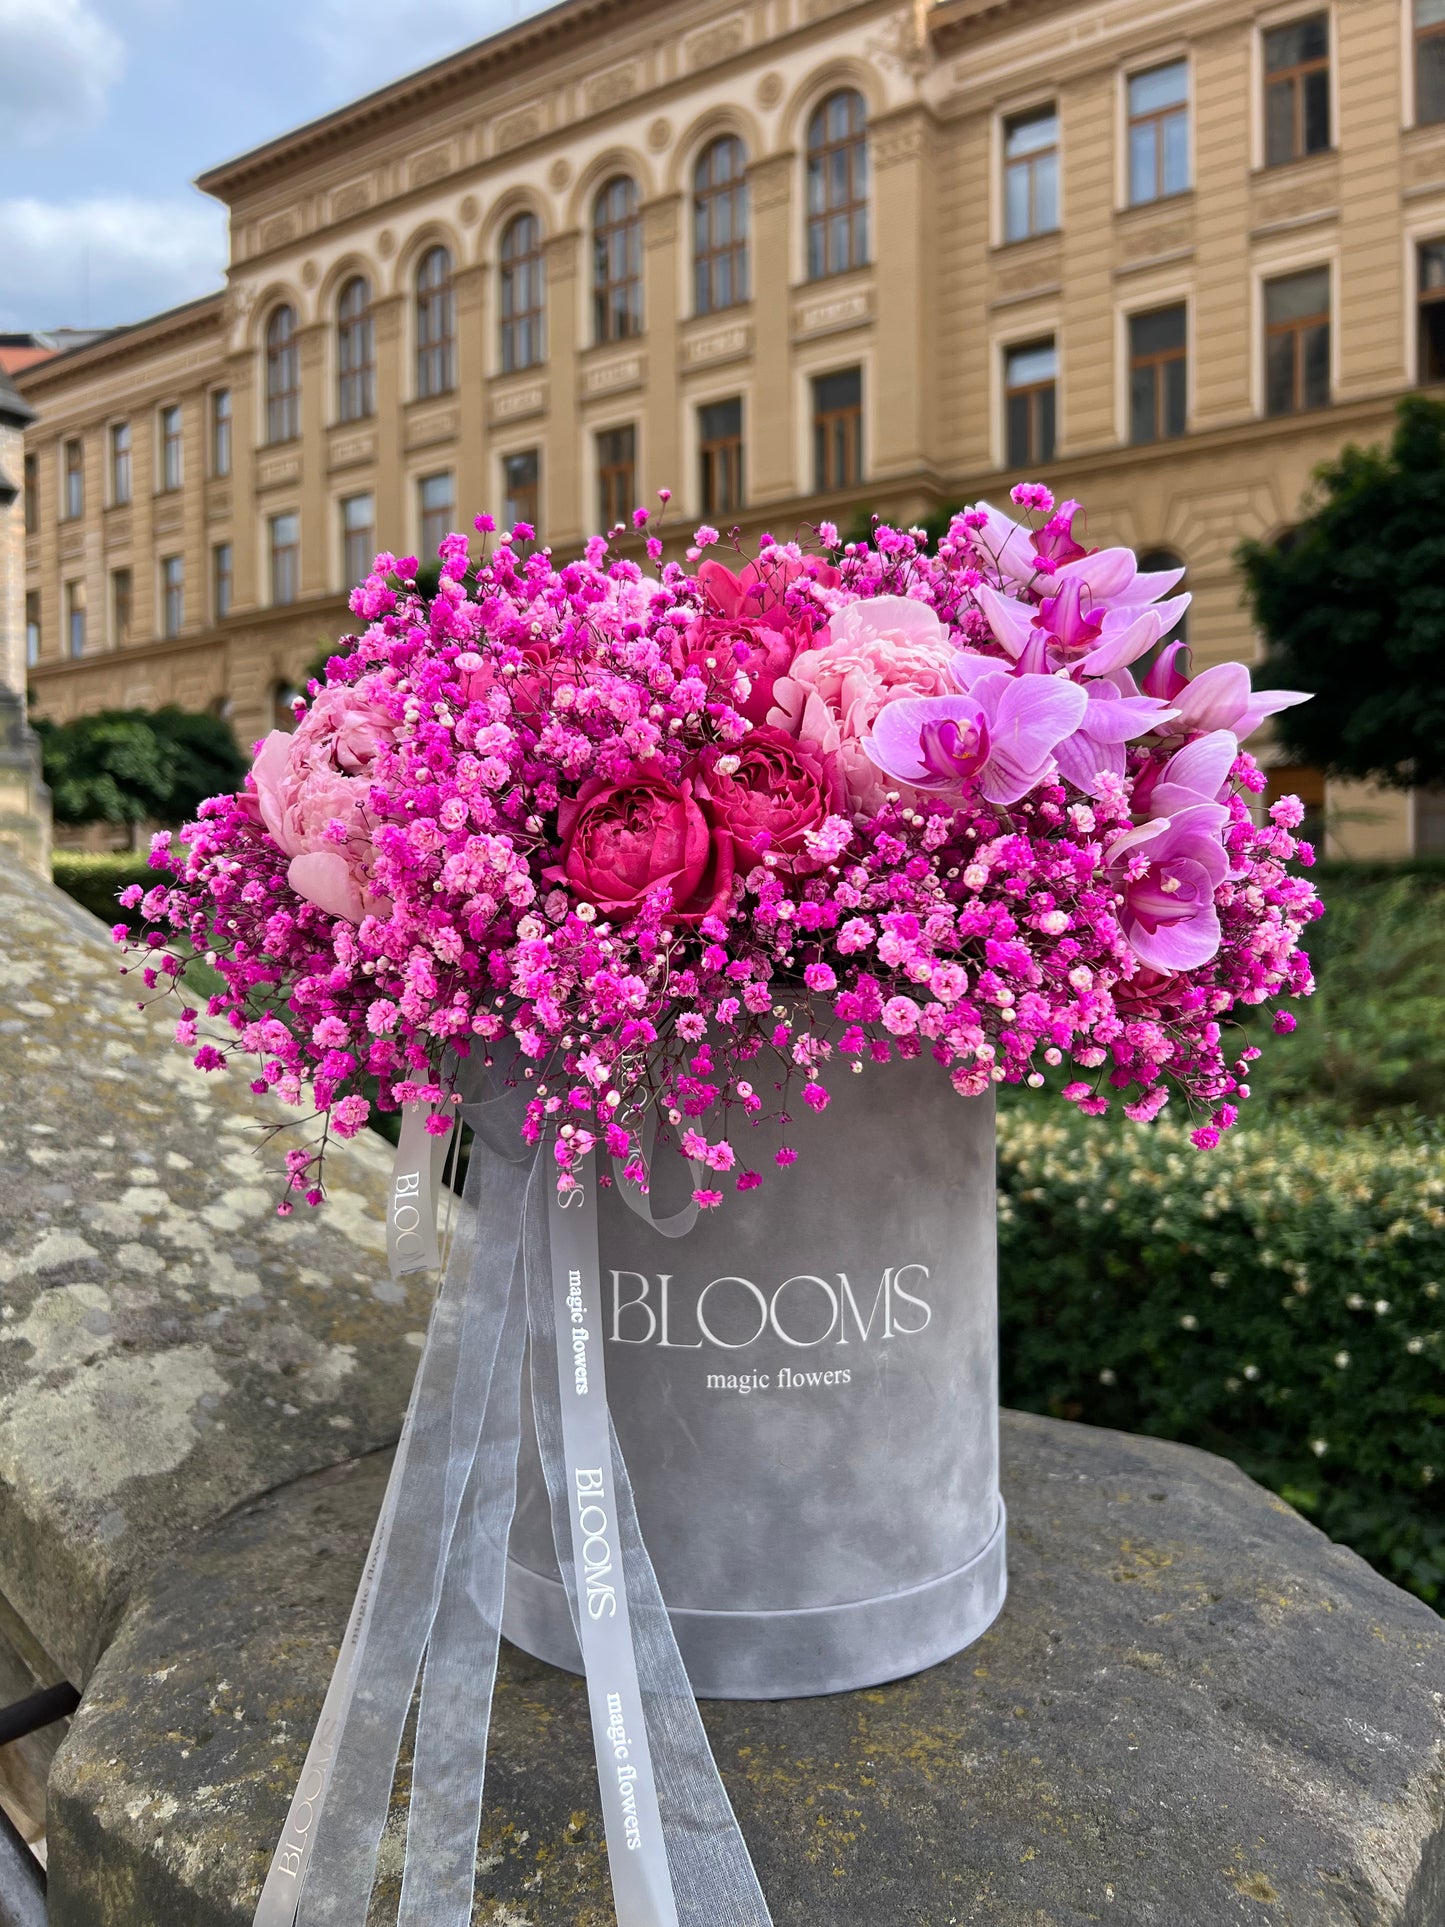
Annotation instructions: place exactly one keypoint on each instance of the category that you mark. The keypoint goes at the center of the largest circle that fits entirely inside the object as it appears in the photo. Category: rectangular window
(32, 627)
(222, 568)
(1031, 375)
(720, 457)
(75, 617)
(32, 494)
(521, 491)
(616, 476)
(171, 457)
(119, 464)
(436, 499)
(1432, 311)
(220, 431)
(838, 430)
(122, 604)
(358, 538)
(173, 595)
(285, 557)
(1296, 90)
(1158, 365)
(1158, 132)
(1031, 173)
(1297, 342)
(1429, 61)
(74, 460)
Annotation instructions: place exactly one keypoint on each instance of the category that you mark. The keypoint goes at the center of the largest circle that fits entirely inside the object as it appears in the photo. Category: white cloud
(58, 61)
(106, 259)
(360, 48)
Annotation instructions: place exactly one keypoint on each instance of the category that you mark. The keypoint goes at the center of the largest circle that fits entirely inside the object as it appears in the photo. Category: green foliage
(95, 879)
(1353, 605)
(1282, 1294)
(133, 766)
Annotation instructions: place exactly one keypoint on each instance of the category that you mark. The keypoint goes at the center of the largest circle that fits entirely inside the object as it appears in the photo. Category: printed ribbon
(524, 1269)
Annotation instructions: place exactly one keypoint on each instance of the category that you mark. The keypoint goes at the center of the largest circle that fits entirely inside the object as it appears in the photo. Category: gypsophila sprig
(681, 847)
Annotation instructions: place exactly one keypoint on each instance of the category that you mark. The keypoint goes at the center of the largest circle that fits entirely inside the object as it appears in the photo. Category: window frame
(522, 330)
(275, 551)
(612, 491)
(1296, 76)
(434, 315)
(219, 575)
(617, 306)
(1030, 162)
(823, 424)
(511, 516)
(122, 464)
(1157, 117)
(76, 613)
(1157, 360)
(222, 415)
(121, 631)
(173, 595)
(855, 211)
(1030, 390)
(30, 487)
(715, 263)
(1435, 30)
(362, 534)
(72, 479)
(355, 352)
(1270, 331)
(283, 377)
(1426, 299)
(170, 448)
(34, 627)
(427, 548)
(721, 459)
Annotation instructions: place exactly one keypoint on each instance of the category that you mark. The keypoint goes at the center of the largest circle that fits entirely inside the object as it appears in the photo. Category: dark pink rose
(621, 840)
(757, 650)
(770, 791)
(756, 592)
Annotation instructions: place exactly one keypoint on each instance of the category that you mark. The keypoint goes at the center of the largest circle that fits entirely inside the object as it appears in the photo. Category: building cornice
(174, 326)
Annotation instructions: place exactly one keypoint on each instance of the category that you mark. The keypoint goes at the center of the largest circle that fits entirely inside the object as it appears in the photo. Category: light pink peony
(312, 790)
(886, 647)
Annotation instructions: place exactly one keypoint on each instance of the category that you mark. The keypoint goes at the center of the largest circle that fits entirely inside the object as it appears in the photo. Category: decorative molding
(354, 198)
(660, 221)
(218, 502)
(659, 134)
(770, 182)
(820, 9)
(168, 518)
(72, 543)
(1036, 291)
(1315, 198)
(274, 470)
(900, 137)
(517, 129)
(612, 88)
(470, 210)
(1158, 237)
(433, 165)
(770, 89)
(559, 173)
(278, 232)
(386, 316)
(1143, 264)
(1290, 222)
(728, 343)
(561, 251)
(611, 377)
(716, 43)
(386, 244)
(1039, 265)
(347, 450)
(830, 314)
(117, 528)
(516, 404)
(438, 426)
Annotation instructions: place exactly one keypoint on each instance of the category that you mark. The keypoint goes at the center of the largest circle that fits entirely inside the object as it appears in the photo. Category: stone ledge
(1194, 1710)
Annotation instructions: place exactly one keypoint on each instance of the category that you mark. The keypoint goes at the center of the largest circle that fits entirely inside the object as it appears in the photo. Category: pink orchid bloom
(1221, 698)
(998, 740)
(1198, 773)
(1116, 714)
(1092, 635)
(1167, 871)
(1110, 575)
(1166, 678)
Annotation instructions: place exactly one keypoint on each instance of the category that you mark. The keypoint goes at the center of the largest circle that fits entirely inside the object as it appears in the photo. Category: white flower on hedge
(1107, 1377)
(1319, 1447)
(1189, 1322)
(1416, 1345)
(1382, 1305)
(1355, 1301)
(1251, 1372)
(1342, 1359)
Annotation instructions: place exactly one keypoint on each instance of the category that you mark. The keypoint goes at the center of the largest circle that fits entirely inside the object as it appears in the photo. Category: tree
(134, 766)
(1352, 603)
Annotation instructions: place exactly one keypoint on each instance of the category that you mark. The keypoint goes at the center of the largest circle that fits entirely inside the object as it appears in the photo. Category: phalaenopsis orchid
(679, 847)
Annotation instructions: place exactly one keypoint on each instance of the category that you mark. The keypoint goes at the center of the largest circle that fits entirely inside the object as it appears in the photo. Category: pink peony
(622, 840)
(769, 793)
(876, 651)
(759, 650)
(312, 791)
(756, 592)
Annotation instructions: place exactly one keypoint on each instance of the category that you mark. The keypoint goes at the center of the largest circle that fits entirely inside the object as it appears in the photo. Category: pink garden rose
(874, 651)
(759, 650)
(769, 792)
(756, 592)
(313, 790)
(622, 839)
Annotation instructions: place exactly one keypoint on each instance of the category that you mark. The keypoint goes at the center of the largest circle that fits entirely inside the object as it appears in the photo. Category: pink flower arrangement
(692, 844)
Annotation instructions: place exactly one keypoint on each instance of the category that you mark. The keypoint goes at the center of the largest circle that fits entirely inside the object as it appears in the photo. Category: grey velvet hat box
(805, 1389)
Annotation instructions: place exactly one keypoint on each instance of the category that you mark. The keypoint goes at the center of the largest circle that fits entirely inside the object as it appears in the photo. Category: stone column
(771, 463)
(664, 442)
(563, 515)
(390, 508)
(315, 534)
(472, 323)
(902, 408)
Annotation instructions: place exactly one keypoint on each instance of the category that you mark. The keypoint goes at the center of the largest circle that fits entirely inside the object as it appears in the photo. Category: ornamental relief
(273, 470)
(354, 198)
(608, 377)
(346, 450)
(525, 125)
(833, 312)
(1160, 237)
(770, 182)
(117, 528)
(439, 426)
(728, 37)
(612, 88)
(278, 231)
(1017, 277)
(431, 166)
(904, 139)
(516, 404)
(1315, 196)
(718, 344)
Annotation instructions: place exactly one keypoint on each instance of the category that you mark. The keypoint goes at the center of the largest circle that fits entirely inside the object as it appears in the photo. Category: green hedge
(1278, 1300)
(95, 878)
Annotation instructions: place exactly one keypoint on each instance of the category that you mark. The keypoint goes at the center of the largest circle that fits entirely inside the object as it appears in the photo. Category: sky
(110, 108)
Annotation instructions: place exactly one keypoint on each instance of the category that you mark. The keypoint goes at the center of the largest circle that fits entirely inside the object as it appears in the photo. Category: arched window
(523, 342)
(616, 262)
(720, 226)
(436, 325)
(355, 352)
(1151, 562)
(838, 185)
(283, 377)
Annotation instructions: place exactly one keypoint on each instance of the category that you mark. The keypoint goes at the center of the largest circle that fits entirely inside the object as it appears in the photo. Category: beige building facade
(793, 258)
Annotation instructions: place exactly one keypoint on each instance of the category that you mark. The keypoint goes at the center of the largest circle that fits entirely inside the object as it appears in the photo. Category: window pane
(1430, 78)
(1297, 297)
(1143, 426)
(1432, 341)
(1174, 384)
(1018, 431)
(834, 392)
(1316, 348)
(1160, 87)
(1279, 123)
(1176, 153)
(1143, 172)
(1016, 203)
(1317, 112)
(1157, 333)
(1301, 40)
(1039, 361)
(1046, 194)
(1027, 133)
(1279, 353)
(1429, 13)
(1044, 404)
(721, 420)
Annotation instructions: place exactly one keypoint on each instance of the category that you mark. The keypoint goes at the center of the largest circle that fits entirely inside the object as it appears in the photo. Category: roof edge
(156, 326)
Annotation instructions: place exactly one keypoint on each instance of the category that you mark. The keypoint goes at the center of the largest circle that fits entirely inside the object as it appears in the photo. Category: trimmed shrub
(95, 878)
(1278, 1300)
